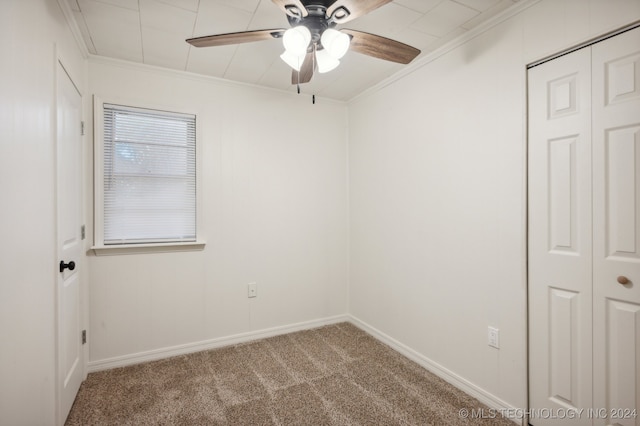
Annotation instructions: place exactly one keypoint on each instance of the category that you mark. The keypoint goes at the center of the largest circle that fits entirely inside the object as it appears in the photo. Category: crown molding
(73, 26)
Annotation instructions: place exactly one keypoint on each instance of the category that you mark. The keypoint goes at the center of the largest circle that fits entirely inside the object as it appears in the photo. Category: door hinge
(82, 232)
(82, 128)
(84, 336)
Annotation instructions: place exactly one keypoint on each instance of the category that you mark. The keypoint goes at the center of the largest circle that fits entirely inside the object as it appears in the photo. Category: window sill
(119, 249)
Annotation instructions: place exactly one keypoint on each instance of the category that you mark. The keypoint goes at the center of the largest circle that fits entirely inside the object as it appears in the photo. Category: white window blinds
(149, 176)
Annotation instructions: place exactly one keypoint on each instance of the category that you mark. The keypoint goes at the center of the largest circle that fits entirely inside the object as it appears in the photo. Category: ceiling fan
(312, 43)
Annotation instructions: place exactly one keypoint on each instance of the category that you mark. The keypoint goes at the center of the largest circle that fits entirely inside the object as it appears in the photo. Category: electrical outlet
(493, 337)
(253, 290)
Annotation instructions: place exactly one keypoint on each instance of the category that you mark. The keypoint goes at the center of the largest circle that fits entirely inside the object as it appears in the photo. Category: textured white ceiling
(154, 32)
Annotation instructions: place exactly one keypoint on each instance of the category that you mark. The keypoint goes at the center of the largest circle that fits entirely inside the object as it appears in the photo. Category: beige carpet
(334, 375)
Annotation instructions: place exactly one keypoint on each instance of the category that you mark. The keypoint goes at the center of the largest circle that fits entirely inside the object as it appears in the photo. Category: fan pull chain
(313, 99)
(298, 88)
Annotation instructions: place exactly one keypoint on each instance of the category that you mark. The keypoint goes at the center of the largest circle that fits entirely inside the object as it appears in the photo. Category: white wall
(275, 212)
(32, 34)
(437, 197)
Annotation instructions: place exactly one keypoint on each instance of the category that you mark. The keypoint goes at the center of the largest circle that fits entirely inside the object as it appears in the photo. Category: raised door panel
(562, 195)
(621, 192)
(564, 330)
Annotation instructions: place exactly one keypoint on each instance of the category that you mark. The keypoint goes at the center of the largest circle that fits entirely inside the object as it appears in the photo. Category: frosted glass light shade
(326, 62)
(335, 42)
(294, 61)
(296, 40)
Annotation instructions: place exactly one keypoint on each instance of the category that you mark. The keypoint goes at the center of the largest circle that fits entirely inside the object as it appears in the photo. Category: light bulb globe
(326, 61)
(294, 61)
(296, 40)
(335, 42)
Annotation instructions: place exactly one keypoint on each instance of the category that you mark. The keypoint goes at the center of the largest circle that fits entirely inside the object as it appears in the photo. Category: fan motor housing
(316, 21)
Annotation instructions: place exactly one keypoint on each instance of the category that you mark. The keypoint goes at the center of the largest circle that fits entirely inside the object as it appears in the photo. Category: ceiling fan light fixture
(312, 43)
(296, 40)
(335, 42)
(294, 61)
(326, 61)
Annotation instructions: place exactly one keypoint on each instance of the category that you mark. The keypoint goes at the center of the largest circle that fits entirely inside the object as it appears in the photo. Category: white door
(560, 312)
(616, 236)
(69, 212)
(584, 234)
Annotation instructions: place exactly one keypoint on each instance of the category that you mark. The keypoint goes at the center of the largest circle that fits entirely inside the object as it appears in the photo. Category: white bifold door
(584, 235)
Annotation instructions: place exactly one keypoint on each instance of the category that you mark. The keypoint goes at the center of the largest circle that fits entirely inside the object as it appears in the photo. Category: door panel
(563, 318)
(562, 195)
(616, 214)
(69, 212)
(621, 200)
(622, 372)
(560, 235)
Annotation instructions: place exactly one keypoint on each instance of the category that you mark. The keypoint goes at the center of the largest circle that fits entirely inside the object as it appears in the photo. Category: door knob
(71, 265)
(623, 280)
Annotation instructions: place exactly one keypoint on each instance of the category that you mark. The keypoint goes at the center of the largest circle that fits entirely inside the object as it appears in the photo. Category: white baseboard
(449, 376)
(156, 354)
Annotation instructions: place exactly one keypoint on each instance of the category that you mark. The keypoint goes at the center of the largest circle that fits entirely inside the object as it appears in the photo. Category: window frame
(99, 247)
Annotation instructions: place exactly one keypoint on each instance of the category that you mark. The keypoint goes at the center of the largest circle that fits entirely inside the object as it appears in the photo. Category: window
(145, 177)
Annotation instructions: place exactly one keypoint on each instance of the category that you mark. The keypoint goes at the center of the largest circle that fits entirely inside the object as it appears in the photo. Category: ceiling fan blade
(306, 71)
(289, 7)
(346, 10)
(381, 47)
(235, 38)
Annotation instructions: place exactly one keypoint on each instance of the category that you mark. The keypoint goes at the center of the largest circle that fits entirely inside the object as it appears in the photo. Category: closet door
(616, 214)
(560, 291)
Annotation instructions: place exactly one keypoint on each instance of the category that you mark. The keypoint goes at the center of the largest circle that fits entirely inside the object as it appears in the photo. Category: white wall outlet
(253, 290)
(493, 337)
